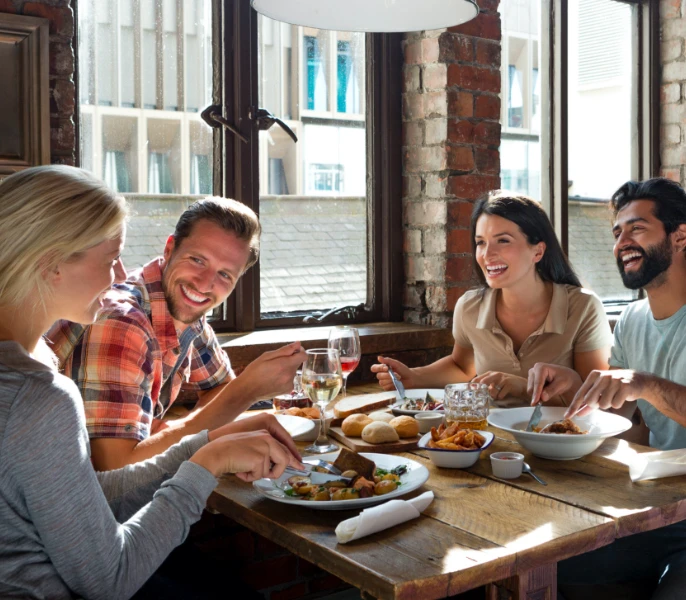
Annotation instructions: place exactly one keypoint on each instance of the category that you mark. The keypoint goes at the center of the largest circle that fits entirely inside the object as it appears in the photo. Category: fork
(328, 467)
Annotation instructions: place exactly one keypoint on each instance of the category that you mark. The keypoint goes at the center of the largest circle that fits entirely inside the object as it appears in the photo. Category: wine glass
(347, 341)
(321, 381)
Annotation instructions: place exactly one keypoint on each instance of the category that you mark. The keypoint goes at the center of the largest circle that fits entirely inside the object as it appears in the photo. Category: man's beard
(655, 260)
(175, 311)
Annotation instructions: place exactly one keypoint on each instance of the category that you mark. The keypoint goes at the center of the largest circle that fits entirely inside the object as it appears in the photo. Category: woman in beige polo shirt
(530, 308)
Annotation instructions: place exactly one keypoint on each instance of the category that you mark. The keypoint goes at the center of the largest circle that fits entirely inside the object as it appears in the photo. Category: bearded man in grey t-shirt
(648, 373)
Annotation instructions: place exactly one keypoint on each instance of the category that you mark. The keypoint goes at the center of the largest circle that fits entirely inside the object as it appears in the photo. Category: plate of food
(558, 438)
(419, 400)
(378, 477)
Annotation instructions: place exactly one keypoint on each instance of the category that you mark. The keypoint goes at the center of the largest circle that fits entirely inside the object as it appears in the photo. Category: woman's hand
(501, 385)
(251, 456)
(402, 372)
(262, 421)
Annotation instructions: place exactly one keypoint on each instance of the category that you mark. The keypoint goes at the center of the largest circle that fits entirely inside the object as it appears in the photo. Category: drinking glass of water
(347, 341)
(321, 381)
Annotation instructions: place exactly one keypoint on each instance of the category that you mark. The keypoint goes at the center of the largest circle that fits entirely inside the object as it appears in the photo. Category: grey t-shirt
(64, 529)
(643, 343)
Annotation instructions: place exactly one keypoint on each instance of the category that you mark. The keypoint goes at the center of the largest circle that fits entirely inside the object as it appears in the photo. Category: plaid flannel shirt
(122, 361)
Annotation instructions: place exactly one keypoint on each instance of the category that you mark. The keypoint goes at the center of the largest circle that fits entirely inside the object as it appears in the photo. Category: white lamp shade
(369, 15)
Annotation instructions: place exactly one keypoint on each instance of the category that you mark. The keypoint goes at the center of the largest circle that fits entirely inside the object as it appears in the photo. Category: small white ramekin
(507, 465)
(428, 419)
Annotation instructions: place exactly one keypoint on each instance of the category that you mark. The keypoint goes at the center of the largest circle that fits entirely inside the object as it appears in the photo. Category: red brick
(430, 50)
(61, 59)
(470, 187)
(460, 158)
(460, 214)
(487, 160)
(487, 53)
(474, 78)
(673, 173)
(64, 94)
(7, 6)
(268, 573)
(485, 26)
(486, 134)
(453, 295)
(460, 104)
(63, 136)
(329, 582)
(456, 48)
(459, 241)
(487, 107)
(290, 593)
(460, 131)
(458, 269)
(413, 53)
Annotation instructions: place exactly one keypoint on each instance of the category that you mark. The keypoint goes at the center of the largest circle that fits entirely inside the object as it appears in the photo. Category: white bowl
(600, 426)
(428, 419)
(455, 459)
(507, 465)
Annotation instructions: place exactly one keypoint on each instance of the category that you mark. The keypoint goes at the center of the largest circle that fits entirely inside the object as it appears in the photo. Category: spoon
(527, 469)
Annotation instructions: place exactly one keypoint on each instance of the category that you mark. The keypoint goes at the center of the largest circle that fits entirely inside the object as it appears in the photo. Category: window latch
(350, 312)
(212, 115)
(265, 120)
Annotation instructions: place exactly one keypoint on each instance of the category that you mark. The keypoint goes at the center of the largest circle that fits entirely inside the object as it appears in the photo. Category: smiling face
(80, 283)
(643, 250)
(202, 271)
(504, 254)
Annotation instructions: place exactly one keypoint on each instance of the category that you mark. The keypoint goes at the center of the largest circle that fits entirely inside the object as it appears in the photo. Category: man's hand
(251, 456)
(608, 389)
(547, 381)
(401, 371)
(501, 385)
(272, 373)
(261, 422)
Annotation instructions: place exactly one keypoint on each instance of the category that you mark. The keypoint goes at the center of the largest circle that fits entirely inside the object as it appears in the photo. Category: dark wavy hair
(530, 217)
(668, 197)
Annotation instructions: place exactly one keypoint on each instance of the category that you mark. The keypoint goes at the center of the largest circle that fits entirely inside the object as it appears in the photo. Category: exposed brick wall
(451, 135)
(673, 91)
(62, 69)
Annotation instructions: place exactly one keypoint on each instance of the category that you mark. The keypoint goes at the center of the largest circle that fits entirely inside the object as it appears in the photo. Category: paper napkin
(654, 465)
(378, 518)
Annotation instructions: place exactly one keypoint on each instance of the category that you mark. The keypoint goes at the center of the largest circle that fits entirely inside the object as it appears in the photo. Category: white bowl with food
(595, 427)
(456, 459)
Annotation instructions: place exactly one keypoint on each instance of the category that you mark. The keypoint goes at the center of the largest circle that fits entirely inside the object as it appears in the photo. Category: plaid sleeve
(210, 365)
(113, 367)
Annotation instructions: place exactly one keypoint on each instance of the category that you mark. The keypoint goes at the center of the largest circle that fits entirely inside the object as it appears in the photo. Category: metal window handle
(350, 313)
(212, 115)
(265, 120)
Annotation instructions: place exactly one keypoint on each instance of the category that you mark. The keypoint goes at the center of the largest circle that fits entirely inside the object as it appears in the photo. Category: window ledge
(375, 338)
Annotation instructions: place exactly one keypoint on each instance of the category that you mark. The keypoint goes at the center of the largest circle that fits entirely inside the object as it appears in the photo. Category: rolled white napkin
(654, 465)
(378, 518)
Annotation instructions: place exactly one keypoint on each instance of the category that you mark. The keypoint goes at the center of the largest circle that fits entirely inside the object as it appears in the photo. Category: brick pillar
(673, 91)
(451, 136)
(62, 90)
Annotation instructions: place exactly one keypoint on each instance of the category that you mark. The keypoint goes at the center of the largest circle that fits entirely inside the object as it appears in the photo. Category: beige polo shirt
(575, 323)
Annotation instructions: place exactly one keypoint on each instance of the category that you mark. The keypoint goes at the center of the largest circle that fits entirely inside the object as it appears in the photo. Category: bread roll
(378, 432)
(311, 412)
(381, 415)
(295, 411)
(406, 427)
(353, 425)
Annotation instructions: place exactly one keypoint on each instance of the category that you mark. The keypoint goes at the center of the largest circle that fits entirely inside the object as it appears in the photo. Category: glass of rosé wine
(347, 341)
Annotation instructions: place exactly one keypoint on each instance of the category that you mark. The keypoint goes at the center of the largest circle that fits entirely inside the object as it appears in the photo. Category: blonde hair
(48, 215)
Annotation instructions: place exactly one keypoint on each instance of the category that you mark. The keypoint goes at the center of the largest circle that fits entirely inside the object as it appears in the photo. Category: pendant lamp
(369, 15)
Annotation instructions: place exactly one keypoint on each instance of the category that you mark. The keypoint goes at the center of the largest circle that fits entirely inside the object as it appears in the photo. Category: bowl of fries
(454, 448)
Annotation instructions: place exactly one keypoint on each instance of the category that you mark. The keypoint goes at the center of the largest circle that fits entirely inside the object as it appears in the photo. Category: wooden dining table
(479, 530)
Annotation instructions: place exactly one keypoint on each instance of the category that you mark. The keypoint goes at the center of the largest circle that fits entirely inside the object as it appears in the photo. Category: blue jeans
(657, 556)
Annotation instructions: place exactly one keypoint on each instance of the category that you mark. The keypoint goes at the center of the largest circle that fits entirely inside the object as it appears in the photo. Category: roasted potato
(345, 494)
(303, 488)
(385, 487)
(320, 494)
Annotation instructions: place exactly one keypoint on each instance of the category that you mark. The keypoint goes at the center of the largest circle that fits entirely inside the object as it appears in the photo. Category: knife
(535, 418)
(399, 387)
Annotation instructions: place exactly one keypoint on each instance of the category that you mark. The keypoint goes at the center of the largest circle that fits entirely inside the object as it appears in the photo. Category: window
(148, 68)
(601, 87)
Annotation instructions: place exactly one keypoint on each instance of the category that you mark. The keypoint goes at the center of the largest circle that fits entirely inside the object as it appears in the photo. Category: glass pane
(161, 161)
(313, 194)
(520, 149)
(601, 100)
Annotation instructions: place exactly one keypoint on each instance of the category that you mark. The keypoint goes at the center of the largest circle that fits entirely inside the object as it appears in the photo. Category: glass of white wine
(321, 381)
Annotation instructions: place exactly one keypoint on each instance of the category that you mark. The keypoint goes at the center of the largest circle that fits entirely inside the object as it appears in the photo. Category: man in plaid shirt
(152, 336)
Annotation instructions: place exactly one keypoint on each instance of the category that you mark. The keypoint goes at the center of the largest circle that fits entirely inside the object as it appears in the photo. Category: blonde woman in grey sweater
(66, 530)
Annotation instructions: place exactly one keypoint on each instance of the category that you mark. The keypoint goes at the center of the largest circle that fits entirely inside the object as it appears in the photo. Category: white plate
(299, 428)
(600, 426)
(416, 476)
(417, 394)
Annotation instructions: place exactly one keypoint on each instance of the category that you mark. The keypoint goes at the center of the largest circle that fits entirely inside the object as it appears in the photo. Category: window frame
(236, 167)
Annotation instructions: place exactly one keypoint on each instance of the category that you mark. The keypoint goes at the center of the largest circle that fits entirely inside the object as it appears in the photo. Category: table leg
(539, 583)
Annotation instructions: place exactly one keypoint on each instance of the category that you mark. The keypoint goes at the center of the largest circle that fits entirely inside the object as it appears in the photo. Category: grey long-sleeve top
(65, 529)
